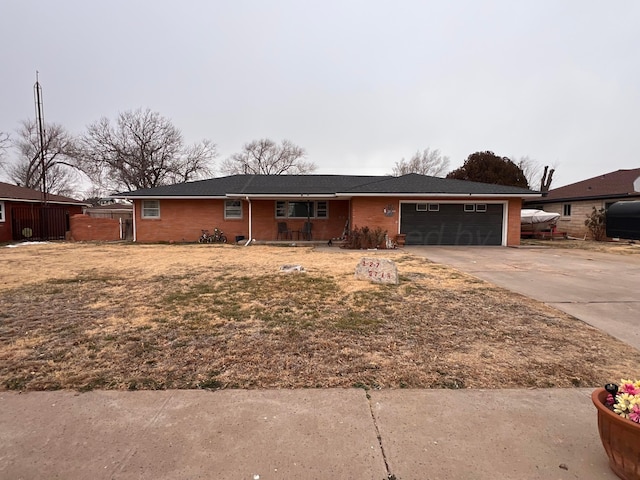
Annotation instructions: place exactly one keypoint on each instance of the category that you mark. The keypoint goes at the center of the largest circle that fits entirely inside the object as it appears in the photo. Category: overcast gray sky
(358, 84)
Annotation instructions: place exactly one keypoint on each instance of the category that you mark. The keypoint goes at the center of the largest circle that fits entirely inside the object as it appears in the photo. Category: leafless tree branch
(59, 147)
(427, 162)
(141, 150)
(265, 157)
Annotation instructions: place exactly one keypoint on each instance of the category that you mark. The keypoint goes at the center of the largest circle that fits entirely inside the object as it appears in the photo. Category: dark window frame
(290, 209)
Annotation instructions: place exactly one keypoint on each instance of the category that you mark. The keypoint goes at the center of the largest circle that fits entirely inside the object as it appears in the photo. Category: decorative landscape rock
(291, 268)
(378, 270)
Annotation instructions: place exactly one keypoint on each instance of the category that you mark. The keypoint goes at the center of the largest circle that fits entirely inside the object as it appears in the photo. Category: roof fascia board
(448, 195)
(25, 200)
(167, 197)
(593, 197)
(270, 196)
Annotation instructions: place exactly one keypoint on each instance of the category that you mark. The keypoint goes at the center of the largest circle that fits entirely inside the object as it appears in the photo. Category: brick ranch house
(428, 210)
(25, 216)
(576, 201)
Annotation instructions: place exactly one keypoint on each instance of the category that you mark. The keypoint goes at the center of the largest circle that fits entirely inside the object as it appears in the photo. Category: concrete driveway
(601, 289)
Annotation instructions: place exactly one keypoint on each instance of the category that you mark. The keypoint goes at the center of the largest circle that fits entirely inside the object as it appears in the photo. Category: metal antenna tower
(40, 117)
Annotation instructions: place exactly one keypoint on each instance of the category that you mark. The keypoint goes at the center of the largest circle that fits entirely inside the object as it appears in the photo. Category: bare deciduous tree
(26, 169)
(265, 157)
(427, 162)
(547, 178)
(142, 150)
(533, 171)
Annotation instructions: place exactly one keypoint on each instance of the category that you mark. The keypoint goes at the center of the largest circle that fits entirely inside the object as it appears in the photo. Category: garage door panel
(451, 225)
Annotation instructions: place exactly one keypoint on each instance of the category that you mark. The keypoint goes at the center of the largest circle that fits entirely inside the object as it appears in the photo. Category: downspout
(135, 229)
(250, 222)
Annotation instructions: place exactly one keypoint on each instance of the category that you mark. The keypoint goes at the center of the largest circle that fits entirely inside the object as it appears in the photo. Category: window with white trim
(421, 207)
(292, 209)
(322, 209)
(233, 209)
(469, 207)
(2, 215)
(150, 209)
(434, 207)
(481, 207)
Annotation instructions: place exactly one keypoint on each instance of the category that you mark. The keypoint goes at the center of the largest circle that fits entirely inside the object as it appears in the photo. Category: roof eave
(270, 196)
(52, 202)
(431, 195)
(591, 197)
(168, 197)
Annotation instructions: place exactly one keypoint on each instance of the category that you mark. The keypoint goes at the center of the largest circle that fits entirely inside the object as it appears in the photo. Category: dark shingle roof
(414, 183)
(325, 185)
(618, 184)
(14, 192)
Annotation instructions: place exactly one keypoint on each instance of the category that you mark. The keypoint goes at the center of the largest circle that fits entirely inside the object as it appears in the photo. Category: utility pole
(39, 115)
(44, 212)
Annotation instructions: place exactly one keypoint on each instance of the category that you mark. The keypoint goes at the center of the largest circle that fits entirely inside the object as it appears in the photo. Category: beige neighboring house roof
(21, 194)
(616, 185)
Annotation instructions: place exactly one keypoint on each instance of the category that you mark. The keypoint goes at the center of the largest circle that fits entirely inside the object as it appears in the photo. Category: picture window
(286, 209)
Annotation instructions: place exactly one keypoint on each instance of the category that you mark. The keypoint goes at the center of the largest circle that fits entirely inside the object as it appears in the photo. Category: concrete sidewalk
(301, 434)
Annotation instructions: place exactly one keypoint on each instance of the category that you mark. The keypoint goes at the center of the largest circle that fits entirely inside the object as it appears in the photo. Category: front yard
(123, 316)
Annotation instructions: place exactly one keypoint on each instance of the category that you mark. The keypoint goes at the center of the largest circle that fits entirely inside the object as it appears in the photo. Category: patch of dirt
(124, 316)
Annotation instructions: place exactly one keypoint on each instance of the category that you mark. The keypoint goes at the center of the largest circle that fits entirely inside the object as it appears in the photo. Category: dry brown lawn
(623, 247)
(124, 316)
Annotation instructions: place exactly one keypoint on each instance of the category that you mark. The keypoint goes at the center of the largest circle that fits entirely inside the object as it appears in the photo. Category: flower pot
(401, 239)
(620, 438)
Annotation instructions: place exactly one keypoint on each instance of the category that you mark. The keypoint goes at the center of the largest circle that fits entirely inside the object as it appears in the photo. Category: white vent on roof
(636, 185)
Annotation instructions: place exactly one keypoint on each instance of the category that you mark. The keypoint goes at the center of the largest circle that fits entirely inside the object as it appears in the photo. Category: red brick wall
(5, 227)
(514, 222)
(85, 228)
(184, 220)
(369, 212)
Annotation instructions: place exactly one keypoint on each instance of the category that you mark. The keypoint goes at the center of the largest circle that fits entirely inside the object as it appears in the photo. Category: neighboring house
(428, 210)
(24, 215)
(576, 201)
